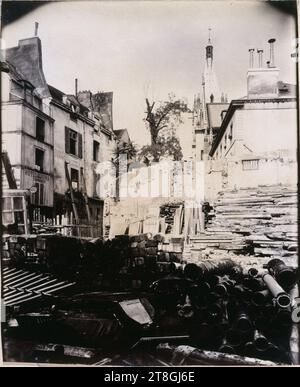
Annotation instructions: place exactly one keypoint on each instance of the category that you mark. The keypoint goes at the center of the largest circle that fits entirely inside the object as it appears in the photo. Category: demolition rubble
(138, 300)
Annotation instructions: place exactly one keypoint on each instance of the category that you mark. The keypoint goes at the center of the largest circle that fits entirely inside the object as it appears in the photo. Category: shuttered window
(73, 142)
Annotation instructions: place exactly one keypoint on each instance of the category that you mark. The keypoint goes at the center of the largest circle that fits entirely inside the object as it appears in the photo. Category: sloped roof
(287, 89)
(27, 58)
(214, 111)
(58, 95)
(122, 134)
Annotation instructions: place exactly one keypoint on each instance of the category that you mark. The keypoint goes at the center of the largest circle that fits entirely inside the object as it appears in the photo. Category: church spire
(211, 91)
(209, 32)
(209, 49)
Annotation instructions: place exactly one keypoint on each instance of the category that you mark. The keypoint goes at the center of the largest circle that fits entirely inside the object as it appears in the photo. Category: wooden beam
(72, 193)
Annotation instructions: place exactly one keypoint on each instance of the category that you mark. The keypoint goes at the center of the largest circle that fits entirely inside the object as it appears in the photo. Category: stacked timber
(171, 218)
(259, 222)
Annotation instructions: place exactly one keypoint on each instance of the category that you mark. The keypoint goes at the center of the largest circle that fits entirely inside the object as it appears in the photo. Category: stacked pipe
(149, 259)
(227, 311)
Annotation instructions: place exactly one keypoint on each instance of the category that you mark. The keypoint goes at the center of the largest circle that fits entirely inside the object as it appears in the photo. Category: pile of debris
(213, 306)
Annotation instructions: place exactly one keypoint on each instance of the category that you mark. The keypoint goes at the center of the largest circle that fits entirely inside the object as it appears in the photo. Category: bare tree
(160, 121)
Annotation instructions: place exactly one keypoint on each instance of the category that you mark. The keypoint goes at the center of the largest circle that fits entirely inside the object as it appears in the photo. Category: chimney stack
(76, 87)
(271, 42)
(36, 28)
(251, 52)
(260, 57)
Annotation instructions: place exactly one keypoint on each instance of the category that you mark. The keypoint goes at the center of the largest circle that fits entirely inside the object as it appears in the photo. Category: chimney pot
(260, 55)
(76, 87)
(271, 42)
(251, 52)
(36, 28)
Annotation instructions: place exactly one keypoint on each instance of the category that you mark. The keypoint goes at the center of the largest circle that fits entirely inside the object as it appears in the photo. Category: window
(38, 197)
(12, 210)
(73, 142)
(74, 178)
(96, 149)
(202, 152)
(39, 159)
(250, 165)
(73, 116)
(40, 129)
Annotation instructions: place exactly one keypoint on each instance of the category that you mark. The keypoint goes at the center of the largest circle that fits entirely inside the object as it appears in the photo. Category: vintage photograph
(149, 183)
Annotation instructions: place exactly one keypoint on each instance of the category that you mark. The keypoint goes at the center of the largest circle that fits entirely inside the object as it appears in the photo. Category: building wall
(185, 134)
(62, 120)
(88, 165)
(19, 140)
(263, 128)
(270, 127)
(264, 132)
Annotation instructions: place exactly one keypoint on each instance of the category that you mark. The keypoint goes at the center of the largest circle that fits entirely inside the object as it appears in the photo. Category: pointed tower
(211, 85)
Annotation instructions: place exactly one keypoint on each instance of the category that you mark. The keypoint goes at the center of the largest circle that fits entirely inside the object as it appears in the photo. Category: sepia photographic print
(149, 155)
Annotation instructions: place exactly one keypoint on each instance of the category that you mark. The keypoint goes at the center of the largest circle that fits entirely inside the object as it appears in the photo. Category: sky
(149, 49)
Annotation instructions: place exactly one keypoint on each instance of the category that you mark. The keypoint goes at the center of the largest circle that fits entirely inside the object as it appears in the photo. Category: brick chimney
(262, 82)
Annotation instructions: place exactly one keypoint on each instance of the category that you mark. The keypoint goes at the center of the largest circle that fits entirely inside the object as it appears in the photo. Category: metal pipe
(249, 349)
(221, 289)
(243, 322)
(12, 273)
(253, 272)
(22, 301)
(260, 298)
(14, 277)
(186, 354)
(261, 343)
(284, 317)
(226, 347)
(234, 337)
(283, 300)
(192, 271)
(255, 284)
(15, 282)
(284, 275)
(20, 284)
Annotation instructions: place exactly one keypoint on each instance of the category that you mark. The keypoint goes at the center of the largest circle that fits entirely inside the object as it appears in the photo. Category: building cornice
(22, 101)
(68, 110)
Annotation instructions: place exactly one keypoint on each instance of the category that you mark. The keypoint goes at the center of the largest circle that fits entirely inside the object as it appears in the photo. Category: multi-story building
(82, 142)
(27, 125)
(257, 141)
(57, 143)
